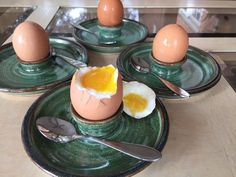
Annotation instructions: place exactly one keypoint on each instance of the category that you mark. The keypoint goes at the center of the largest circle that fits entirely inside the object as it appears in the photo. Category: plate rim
(196, 90)
(30, 152)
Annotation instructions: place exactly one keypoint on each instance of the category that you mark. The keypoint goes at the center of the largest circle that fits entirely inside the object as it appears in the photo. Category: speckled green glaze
(34, 68)
(102, 128)
(25, 78)
(199, 72)
(110, 32)
(131, 32)
(165, 70)
(85, 158)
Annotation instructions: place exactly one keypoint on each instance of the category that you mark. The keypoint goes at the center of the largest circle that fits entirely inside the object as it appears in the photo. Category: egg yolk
(135, 103)
(100, 79)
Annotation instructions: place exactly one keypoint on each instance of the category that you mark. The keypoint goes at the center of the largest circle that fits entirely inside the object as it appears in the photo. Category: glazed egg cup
(110, 33)
(36, 66)
(97, 128)
(166, 69)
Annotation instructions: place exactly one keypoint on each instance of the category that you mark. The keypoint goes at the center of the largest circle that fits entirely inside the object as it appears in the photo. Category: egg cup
(166, 69)
(110, 32)
(35, 67)
(99, 128)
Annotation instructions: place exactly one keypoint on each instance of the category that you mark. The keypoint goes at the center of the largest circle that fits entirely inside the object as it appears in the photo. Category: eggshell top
(170, 44)
(30, 42)
(110, 12)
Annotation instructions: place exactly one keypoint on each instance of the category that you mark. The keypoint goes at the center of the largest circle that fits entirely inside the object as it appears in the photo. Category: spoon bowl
(62, 131)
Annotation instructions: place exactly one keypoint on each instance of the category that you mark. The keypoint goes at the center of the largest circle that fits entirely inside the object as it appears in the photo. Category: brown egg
(110, 12)
(91, 104)
(170, 44)
(30, 42)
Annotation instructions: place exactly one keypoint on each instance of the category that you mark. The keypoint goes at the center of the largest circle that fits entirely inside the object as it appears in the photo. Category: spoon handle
(76, 63)
(138, 151)
(181, 92)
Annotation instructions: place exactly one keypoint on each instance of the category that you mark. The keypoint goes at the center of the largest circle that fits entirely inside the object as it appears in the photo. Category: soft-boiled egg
(110, 12)
(30, 42)
(170, 44)
(139, 100)
(96, 92)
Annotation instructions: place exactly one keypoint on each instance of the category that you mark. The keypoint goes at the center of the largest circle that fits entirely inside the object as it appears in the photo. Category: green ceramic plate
(131, 32)
(199, 72)
(33, 78)
(84, 158)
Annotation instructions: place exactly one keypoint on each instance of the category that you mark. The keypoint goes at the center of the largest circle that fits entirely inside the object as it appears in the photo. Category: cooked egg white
(139, 100)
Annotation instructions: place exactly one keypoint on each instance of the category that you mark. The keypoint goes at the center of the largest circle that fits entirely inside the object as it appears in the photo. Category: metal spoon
(101, 41)
(144, 67)
(77, 26)
(76, 63)
(62, 131)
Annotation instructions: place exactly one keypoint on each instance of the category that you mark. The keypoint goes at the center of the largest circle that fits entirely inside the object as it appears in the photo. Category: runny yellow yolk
(135, 103)
(100, 79)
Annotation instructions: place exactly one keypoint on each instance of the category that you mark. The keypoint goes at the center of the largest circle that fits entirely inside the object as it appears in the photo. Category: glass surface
(10, 17)
(203, 22)
(230, 73)
(228, 67)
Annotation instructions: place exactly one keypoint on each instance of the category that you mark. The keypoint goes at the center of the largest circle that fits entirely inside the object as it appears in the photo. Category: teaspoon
(76, 63)
(62, 131)
(144, 67)
(101, 41)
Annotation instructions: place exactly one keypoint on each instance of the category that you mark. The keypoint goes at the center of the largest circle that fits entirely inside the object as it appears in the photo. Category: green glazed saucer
(22, 78)
(198, 73)
(85, 158)
(131, 32)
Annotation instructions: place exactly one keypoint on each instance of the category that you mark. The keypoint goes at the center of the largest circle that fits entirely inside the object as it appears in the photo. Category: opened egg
(110, 12)
(139, 100)
(170, 44)
(96, 92)
(30, 42)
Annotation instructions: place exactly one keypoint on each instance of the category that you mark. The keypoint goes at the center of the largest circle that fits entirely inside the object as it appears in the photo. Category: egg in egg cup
(169, 50)
(110, 15)
(96, 100)
(31, 44)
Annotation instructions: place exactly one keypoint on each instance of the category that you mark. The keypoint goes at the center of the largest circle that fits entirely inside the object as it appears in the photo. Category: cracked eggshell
(92, 108)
